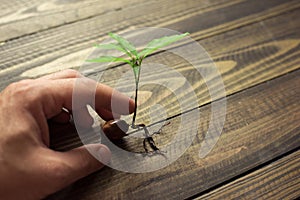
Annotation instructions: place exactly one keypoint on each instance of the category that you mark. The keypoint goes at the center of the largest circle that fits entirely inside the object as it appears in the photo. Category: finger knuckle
(21, 88)
(73, 73)
(25, 92)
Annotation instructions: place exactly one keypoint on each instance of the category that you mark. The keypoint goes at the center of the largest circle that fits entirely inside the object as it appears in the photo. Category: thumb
(80, 162)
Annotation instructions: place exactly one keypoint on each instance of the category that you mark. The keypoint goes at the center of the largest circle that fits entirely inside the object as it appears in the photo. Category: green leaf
(125, 44)
(159, 43)
(111, 46)
(109, 59)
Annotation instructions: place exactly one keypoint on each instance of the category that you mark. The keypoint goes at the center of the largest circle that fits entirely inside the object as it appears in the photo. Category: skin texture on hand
(28, 168)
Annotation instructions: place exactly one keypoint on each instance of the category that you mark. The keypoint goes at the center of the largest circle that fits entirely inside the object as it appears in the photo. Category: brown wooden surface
(255, 45)
(279, 180)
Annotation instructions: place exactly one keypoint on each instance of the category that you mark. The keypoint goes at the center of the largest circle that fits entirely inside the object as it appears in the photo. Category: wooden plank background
(255, 45)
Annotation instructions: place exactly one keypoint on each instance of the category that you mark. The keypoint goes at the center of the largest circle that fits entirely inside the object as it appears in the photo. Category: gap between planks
(239, 186)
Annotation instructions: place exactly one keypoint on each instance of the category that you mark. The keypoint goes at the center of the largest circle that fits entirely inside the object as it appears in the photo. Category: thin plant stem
(136, 96)
(135, 107)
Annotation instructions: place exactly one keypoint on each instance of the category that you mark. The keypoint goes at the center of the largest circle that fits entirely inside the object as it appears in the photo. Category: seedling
(135, 59)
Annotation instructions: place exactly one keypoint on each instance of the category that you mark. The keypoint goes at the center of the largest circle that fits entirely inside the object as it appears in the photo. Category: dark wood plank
(278, 180)
(261, 123)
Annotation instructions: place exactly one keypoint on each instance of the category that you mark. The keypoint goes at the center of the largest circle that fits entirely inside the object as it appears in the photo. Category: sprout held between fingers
(117, 129)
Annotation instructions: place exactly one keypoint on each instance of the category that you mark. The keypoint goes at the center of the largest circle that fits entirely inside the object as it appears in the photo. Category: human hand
(28, 168)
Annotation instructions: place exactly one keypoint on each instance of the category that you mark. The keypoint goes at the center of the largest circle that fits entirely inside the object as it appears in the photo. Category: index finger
(76, 93)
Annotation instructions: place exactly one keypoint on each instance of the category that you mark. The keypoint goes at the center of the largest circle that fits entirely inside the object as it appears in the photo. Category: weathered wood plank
(262, 123)
(68, 45)
(42, 15)
(39, 15)
(278, 180)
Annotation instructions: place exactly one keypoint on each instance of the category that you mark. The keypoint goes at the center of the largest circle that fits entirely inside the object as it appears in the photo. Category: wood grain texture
(250, 62)
(278, 180)
(243, 64)
(261, 124)
(255, 45)
(67, 46)
(71, 41)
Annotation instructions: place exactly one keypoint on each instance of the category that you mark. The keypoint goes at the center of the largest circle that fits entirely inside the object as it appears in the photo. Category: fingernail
(104, 155)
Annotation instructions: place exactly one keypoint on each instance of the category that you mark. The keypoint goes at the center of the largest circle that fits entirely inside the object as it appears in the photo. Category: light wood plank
(40, 15)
